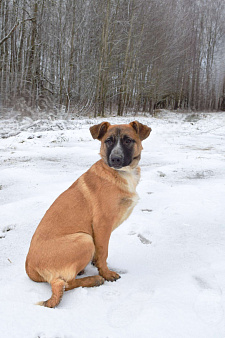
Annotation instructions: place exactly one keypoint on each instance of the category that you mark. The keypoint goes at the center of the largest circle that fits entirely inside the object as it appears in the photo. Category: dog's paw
(99, 281)
(110, 276)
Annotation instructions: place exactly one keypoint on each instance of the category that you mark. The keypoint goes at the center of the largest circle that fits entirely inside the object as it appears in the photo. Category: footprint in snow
(42, 335)
(111, 295)
(127, 311)
(142, 238)
(146, 210)
(6, 229)
(161, 174)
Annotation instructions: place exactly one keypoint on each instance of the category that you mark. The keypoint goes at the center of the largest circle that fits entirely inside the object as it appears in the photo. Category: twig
(13, 29)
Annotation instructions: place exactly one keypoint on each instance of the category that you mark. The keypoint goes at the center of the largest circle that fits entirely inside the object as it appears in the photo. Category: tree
(100, 56)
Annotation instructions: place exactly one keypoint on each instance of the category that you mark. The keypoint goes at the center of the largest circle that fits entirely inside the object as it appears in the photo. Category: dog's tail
(58, 287)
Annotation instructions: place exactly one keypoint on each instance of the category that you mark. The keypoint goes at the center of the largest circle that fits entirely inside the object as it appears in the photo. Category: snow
(170, 252)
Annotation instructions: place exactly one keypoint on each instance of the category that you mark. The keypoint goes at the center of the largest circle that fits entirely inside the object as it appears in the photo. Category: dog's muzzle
(116, 158)
(116, 161)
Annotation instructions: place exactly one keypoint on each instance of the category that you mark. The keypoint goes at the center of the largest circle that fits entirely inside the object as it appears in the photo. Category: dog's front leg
(101, 239)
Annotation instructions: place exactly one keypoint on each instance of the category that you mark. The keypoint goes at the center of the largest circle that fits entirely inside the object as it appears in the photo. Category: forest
(112, 56)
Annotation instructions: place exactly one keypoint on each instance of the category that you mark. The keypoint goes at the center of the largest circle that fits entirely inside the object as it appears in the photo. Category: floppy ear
(141, 129)
(99, 130)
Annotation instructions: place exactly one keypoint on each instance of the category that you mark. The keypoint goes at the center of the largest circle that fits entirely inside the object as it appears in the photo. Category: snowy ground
(170, 252)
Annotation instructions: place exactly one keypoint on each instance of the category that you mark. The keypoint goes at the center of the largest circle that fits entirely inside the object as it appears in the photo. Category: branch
(13, 29)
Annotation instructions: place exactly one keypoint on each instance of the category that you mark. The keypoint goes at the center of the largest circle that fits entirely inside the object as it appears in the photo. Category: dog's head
(120, 144)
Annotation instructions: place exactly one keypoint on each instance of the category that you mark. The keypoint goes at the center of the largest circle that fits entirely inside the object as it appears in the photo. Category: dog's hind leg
(85, 282)
(58, 287)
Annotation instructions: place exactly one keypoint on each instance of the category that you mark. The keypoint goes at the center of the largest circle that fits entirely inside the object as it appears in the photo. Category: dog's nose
(116, 161)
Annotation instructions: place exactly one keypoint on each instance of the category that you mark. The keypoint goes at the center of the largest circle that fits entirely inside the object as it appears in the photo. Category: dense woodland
(112, 55)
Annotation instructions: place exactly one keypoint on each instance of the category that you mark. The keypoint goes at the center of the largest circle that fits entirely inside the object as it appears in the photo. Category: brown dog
(77, 227)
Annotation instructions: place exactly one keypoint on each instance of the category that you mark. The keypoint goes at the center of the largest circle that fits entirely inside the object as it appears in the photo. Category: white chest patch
(132, 177)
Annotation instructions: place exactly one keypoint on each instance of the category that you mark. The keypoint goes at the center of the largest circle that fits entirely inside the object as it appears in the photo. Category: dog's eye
(109, 141)
(127, 141)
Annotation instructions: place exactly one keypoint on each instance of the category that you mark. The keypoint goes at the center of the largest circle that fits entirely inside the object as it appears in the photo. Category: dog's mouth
(117, 167)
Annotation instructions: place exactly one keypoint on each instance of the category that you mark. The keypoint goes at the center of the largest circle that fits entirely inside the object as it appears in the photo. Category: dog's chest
(128, 202)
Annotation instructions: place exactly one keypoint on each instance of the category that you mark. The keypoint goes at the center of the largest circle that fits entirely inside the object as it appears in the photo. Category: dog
(76, 229)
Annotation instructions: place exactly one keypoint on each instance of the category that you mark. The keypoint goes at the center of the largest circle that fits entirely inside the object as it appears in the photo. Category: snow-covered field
(170, 252)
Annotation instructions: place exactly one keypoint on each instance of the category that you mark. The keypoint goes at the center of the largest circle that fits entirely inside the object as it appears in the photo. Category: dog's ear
(99, 130)
(141, 129)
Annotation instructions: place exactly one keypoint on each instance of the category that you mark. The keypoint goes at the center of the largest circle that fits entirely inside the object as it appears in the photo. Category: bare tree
(121, 55)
